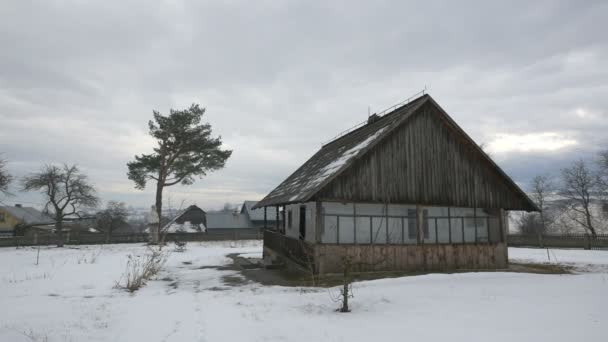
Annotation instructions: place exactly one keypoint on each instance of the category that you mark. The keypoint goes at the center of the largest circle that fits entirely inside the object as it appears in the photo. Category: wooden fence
(97, 238)
(558, 241)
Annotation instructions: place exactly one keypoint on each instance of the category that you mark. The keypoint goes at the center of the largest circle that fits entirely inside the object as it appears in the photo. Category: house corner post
(276, 226)
(265, 218)
(504, 228)
(318, 221)
(420, 235)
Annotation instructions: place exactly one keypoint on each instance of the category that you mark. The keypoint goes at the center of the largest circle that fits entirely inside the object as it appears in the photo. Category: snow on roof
(28, 215)
(179, 214)
(184, 228)
(334, 157)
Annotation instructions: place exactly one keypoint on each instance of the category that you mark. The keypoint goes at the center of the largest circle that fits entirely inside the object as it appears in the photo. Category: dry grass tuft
(141, 268)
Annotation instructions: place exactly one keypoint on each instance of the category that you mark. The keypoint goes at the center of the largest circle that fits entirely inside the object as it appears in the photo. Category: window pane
(469, 230)
(379, 230)
(456, 230)
(428, 227)
(330, 231)
(347, 230)
(482, 229)
(370, 209)
(412, 227)
(394, 231)
(443, 230)
(363, 230)
(495, 230)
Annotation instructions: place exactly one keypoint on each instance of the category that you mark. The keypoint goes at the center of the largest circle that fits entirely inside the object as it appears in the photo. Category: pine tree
(185, 149)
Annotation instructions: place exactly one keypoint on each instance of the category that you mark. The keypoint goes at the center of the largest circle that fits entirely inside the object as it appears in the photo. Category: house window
(411, 224)
(289, 219)
(2, 219)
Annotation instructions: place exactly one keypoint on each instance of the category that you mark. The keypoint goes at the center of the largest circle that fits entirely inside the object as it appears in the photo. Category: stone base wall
(410, 258)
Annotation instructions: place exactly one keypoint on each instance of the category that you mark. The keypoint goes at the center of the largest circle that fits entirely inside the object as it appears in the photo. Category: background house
(256, 216)
(15, 219)
(195, 220)
(190, 220)
(229, 222)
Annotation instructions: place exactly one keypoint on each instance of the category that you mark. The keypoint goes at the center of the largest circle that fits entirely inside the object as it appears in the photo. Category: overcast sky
(79, 81)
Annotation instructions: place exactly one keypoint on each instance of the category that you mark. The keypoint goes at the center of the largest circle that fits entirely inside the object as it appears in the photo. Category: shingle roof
(227, 220)
(336, 156)
(28, 215)
(258, 214)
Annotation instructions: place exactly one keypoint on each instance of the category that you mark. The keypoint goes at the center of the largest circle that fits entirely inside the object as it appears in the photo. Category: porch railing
(296, 250)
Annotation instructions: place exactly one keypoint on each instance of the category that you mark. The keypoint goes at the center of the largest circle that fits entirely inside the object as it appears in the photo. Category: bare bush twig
(141, 268)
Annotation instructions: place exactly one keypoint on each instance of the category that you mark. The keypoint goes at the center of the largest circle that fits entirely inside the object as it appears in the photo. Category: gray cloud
(78, 81)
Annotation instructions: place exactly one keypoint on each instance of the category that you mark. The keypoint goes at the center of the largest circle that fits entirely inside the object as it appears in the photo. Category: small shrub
(141, 268)
(180, 246)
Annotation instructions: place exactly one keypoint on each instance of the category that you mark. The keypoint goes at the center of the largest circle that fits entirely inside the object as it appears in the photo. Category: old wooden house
(407, 190)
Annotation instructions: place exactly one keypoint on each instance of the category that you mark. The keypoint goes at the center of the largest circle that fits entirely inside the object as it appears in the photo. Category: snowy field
(70, 296)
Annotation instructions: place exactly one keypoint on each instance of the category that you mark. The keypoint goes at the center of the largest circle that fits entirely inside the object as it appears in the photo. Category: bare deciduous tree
(67, 192)
(5, 178)
(542, 186)
(579, 183)
(603, 181)
(112, 217)
(529, 223)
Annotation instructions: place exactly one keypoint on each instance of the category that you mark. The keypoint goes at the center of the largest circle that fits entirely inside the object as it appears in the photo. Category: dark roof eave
(271, 203)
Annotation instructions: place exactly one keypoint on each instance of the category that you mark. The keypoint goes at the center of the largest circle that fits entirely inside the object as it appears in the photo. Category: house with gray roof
(18, 216)
(229, 222)
(256, 216)
(405, 190)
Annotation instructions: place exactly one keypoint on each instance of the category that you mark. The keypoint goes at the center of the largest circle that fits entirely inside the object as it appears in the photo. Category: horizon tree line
(576, 198)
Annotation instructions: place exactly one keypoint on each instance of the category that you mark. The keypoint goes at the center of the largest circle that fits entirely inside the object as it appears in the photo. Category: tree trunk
(109, 234)
(540, 231)
(345, 289)
(59, 231)
(589, 224)
(155, 229)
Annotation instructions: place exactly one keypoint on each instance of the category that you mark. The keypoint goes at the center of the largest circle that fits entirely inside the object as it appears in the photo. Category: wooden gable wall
(429, 161)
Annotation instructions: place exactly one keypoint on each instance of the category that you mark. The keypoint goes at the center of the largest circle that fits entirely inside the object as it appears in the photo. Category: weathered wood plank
(424, 162)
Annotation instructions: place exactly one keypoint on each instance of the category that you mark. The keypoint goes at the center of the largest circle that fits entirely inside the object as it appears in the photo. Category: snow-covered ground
(70, 296)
